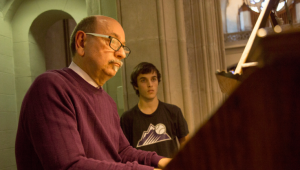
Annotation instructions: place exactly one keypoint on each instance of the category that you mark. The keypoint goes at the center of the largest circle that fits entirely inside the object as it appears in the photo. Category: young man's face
(147, 85)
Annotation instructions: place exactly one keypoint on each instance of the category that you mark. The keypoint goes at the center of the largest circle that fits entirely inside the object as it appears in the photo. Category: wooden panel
(256, 128)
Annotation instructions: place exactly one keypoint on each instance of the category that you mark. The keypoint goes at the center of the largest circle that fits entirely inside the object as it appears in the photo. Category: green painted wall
(8, 108)
(21, 62)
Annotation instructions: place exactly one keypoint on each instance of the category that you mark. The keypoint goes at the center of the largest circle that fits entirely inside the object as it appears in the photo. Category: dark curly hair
(143, 68)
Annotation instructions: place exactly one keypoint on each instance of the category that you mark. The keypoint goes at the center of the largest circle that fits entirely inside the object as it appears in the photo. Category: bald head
(89, 25)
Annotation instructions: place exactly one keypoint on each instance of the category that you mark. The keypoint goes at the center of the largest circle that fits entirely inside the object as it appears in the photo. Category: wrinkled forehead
(109, 26)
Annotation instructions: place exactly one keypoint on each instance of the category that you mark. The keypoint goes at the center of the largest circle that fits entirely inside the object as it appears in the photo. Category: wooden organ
(258, 126)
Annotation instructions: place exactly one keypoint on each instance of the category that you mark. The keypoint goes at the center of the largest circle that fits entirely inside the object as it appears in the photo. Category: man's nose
(120, 53)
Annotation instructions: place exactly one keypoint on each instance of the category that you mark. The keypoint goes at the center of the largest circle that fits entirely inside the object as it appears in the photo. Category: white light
(254, 9)
(261, 32)
(280, 6)
(277, 29)
(263, 4)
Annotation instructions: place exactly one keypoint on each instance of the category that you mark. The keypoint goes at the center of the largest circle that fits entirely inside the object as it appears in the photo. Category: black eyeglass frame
(110, 37)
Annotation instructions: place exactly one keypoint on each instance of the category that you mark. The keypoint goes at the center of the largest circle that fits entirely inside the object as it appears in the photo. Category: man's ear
(136, 88)
(79, 42)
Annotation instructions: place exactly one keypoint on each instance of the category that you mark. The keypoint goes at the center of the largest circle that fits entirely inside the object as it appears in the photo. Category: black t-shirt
(156, 132)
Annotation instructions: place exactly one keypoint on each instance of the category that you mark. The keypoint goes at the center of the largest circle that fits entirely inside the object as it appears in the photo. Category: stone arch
(232, 15)
(27, 55)
(38, 46)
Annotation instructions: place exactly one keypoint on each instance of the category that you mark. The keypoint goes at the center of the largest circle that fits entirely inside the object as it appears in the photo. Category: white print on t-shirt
(154, 134)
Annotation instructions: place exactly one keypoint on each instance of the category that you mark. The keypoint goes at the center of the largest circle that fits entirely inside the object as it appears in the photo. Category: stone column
(245, 18)
(223, 5)
(206, 54)
(102, 7)
(93, 7)
(297, 6)
(174, 57)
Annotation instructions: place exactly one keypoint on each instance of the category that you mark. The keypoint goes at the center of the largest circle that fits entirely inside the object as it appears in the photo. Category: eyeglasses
(114, 43)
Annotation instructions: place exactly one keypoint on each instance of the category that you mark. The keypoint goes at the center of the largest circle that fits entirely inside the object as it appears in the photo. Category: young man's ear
(136, 88)
(80, 42)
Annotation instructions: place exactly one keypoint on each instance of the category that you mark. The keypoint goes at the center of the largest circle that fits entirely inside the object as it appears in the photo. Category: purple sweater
(65, 123)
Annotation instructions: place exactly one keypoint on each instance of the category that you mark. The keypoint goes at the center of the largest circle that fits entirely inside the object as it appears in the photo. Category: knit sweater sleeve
(48, 124)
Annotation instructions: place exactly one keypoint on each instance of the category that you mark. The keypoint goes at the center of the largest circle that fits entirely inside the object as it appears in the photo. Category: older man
(68, 121)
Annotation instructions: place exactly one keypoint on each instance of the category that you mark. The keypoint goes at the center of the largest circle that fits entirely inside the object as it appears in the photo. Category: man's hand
(163, 162)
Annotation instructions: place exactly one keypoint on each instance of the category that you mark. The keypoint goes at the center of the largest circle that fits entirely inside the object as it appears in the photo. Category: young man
(153, 125)
(68, 121)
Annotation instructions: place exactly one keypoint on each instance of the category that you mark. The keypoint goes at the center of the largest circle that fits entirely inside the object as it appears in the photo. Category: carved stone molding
(238, 36)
